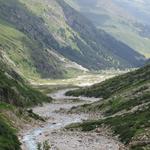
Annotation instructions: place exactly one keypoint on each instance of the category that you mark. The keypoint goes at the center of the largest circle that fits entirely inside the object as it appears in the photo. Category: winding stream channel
(64, 140)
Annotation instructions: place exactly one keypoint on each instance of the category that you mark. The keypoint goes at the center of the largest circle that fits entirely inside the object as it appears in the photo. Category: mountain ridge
(124, 20)
(36, 33)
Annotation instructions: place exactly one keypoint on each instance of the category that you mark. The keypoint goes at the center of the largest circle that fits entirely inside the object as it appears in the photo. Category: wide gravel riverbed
(58, 138)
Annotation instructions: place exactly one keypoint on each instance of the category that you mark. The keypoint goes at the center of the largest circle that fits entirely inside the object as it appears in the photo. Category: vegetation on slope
(125, 20)
(36, 36)
(125, 107)
(109, 51)
(132, 128)
(27, 53)
(19, 93)
(14, 90)
(13, 119)
(8, 138)
(115, 85)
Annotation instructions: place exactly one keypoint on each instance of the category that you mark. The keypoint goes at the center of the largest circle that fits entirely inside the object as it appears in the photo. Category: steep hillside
(109, 51)
(15, 90)
(9, 119)
(124, 107)
(119, 83)
(7, 135)
(15, 95)
(24, 38)
(12, 120)
(126, 20)
(139, 9)
(27, 54)
(47, 38)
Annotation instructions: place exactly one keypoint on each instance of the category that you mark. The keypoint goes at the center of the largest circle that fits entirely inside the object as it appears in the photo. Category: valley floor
(60, 139)
(84, 79)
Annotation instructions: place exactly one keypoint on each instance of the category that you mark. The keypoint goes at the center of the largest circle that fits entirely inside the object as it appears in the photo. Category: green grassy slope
(125, 107)
(120, 19)
(8, 139)
(35, 33)
(12, 119)
(131, 37)
(106, 48)
(18, 93)
(14, 90)
(74, 42)
(117, 84)
(27, 54)
(133, 128)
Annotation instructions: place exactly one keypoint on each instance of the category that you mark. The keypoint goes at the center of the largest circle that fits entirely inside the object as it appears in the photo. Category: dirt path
(59, 139)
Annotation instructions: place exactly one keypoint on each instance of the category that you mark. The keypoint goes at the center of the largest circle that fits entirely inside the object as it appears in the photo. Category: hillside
(8, 136)
(15, 90)
(12, 120)
(125, 20)
(119, 83)
(15, 96)
(49, 39)
(124, 107)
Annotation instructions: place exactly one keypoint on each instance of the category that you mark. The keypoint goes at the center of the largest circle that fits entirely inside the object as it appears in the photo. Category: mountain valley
(74, 75)
(126, 20)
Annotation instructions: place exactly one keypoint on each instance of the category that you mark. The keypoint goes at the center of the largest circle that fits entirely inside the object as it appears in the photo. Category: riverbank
(52, 130)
